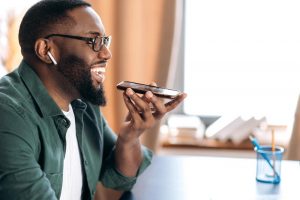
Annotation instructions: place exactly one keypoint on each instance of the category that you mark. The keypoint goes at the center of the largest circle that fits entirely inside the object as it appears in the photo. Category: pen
(273, 150)
(273, 140)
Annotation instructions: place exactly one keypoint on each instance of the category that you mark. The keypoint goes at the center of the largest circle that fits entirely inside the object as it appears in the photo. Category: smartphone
(143, 88)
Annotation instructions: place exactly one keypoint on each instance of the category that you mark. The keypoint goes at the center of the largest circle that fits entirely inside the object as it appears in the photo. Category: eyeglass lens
(99, 41)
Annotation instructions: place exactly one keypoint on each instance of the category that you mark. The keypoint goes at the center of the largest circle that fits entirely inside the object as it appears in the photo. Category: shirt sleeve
(20, 175)
(110, 176)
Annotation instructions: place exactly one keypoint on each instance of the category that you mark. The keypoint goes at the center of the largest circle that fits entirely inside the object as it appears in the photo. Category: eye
(97, 43)
(91, 41)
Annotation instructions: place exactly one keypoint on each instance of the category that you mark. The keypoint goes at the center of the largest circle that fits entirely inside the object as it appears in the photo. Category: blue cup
(268, 168)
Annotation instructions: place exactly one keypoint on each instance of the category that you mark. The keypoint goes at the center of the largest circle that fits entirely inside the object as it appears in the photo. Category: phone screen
(143, 88)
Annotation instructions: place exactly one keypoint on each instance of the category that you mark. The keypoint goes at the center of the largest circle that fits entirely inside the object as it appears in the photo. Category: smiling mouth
(98, 74)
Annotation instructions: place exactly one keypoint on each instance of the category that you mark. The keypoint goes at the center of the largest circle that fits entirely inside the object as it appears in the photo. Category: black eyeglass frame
(104, 40)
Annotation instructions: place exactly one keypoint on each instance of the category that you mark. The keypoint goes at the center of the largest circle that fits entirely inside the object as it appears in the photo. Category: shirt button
(65, 123)
(85, 162)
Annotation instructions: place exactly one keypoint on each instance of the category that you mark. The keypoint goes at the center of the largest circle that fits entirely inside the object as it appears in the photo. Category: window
(10, 12)
(242, 57)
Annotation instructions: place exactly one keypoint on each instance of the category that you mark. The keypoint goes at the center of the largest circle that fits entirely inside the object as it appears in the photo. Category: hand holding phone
(143, 88)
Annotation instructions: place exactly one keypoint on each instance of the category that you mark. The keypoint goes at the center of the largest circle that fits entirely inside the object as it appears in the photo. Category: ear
(42, 47)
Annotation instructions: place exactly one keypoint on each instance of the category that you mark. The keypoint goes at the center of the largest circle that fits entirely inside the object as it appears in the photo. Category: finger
(174, 103)
(153, 84)
(158, 104)
(128, 117)
(139, 103)
(146, 100)
(147, 113)
(133, 112)
(144, 97)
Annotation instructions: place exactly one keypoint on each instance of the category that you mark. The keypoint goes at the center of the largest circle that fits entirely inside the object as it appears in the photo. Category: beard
(78, 73)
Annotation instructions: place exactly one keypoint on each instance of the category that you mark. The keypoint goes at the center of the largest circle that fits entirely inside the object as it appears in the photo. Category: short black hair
(43, 17)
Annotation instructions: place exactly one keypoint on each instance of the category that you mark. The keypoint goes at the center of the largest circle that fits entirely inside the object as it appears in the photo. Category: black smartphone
(143, 88)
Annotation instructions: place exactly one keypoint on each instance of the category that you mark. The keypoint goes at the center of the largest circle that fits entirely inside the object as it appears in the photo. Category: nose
(104, 53)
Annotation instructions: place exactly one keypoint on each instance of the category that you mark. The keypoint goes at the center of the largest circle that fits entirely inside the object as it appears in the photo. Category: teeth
(98, 70)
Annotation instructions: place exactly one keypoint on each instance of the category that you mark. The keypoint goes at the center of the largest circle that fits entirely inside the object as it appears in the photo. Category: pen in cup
(264, 156)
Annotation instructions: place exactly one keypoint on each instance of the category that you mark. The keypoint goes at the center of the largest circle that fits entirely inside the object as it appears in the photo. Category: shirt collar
(38, 91)
(78, 104)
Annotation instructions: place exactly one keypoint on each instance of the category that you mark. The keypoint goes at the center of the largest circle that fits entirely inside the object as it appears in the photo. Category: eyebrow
(95, 33)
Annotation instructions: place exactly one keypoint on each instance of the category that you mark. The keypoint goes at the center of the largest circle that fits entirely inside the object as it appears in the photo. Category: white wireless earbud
(52, 58)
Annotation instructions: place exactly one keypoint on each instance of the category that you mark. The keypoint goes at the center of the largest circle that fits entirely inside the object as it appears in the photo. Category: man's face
(80, 65)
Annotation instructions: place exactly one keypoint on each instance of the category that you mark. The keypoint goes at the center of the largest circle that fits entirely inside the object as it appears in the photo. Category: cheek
(74, 66)
(82, 52)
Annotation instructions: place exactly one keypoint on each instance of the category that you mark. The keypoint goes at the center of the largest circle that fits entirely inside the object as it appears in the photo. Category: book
(185, 125)
(234, 128)
(242, 132)
(223, 127)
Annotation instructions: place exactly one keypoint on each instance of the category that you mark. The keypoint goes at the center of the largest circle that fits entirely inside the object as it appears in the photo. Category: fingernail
(184, 95)
(153, 84)
(149, 95)
(129, 91)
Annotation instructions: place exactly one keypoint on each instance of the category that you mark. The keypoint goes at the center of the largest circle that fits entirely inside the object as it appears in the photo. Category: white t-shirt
(72, 173)
(2, 70)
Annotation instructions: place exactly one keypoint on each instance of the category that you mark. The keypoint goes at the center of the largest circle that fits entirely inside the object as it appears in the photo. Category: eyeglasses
(96, 42)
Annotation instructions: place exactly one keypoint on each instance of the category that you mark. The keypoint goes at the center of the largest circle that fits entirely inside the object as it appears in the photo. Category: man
(55, 143)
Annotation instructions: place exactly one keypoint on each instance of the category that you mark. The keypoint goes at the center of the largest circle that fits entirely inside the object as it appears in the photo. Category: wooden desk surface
(213, 178)
(204, 143)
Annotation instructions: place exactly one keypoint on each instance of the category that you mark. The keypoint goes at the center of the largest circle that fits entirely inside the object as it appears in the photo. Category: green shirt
(32, 142)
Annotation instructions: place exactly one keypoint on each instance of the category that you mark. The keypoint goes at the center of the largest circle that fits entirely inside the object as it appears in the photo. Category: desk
(212, 178)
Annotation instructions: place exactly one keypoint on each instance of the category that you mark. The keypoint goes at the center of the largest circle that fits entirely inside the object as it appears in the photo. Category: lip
(99, 64)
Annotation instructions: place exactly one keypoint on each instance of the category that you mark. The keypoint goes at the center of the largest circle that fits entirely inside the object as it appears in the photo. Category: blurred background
(238, 61)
